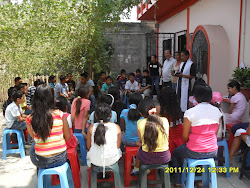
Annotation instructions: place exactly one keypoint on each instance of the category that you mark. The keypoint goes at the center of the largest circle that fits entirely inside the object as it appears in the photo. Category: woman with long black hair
(49, 129)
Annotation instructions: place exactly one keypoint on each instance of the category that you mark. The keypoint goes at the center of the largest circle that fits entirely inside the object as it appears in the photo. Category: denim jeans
(155, 84)
(47, 162)
(18, 125)
(182, 152)
(92, 105)
(127, 143)
(174, 86)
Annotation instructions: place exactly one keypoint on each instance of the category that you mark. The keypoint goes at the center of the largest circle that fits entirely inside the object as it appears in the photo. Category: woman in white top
(103, 139)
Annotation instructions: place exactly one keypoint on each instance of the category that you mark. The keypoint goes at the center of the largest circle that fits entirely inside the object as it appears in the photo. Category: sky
(132, 17)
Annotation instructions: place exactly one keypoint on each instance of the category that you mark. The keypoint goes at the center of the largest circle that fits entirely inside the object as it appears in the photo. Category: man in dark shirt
(153, 68)
(71, 83)
(9, 100)
(145, 85)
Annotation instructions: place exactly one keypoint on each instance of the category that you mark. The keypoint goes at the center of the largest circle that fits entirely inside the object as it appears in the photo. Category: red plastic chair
(231, 138)
(130, 152)
(111, 179)
(72, 156)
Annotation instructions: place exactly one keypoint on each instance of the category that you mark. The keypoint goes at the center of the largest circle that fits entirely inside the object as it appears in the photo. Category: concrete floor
(17, 172)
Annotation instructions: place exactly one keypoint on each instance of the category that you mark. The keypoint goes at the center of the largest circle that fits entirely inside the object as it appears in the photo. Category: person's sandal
(178, 185)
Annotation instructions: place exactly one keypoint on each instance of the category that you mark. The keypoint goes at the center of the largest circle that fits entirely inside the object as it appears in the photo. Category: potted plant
(242, 75)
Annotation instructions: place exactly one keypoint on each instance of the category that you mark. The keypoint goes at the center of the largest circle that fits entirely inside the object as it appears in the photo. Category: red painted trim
(241, 4)
(157, 42)
(178, 9)
(188, 18)
(201, 28)
(146, 6)
(141, 8)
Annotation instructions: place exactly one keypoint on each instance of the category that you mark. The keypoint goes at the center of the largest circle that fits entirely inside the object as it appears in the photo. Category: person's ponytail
(78, 106)
(99, 137)
(151, 132)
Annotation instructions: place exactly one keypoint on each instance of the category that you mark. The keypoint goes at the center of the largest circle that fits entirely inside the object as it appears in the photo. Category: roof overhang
(161, 10)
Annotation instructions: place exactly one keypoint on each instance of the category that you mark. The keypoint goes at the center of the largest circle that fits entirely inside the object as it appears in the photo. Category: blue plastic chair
(64, 172)
(189, 177)
(80, 138)
(7, 145)
(226, 153)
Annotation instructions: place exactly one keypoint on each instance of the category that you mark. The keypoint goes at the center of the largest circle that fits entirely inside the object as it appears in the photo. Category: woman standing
(176, 68)
(153, 68)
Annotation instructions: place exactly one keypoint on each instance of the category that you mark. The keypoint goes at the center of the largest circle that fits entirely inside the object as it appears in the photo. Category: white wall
(213, 12)
(245, 40)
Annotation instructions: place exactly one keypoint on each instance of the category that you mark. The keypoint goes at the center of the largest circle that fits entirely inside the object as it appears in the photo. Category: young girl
(201, 124)
(108, 99)
(62, 104)
(80, 109)
(153, 132)
(129, 118)
(171, 110)
(49, 129)
(103, 139)
(238, 104)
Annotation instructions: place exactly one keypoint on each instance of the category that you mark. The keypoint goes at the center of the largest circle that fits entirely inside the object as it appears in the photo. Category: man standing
(84, 83)
(186, 73)
(167, 68)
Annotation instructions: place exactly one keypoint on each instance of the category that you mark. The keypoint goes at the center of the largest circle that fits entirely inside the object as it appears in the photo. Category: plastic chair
(114, 168)
(7, 145)
(64, 173)
(80, 138)
(164, 177)
(245, 167)
(226, 153)
(130, 152)
(72, 156)
(110, 179)
(189, 177)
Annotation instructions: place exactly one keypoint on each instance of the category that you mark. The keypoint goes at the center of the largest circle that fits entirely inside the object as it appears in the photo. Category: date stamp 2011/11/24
(201, 170)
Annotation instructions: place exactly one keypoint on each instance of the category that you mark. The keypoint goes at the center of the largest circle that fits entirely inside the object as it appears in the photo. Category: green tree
(48, 36)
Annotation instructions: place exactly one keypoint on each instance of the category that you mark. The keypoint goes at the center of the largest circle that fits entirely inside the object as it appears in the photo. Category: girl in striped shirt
(49, 129)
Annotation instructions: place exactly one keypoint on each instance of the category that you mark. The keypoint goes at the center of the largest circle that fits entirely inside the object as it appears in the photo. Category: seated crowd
(125, 115)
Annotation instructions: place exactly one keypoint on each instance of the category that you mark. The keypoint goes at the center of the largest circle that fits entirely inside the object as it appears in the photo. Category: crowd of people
(186, 122)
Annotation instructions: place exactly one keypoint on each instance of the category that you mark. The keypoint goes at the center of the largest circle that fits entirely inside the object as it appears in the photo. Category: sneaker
(135, 171)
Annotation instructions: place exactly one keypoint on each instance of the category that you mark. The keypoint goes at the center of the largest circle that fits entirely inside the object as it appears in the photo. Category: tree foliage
(49, 35)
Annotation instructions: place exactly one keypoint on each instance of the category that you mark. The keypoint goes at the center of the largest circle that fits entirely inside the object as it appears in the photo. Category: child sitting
(9, 100)
(118, 106)
(138, 76)
(50, 130)
(121, 86)
(25, 107)
(108, 99)
(107, 85)
(100, 83)
(80, 109)
(52, 81)
(129, 118)
(238, 104)
(119, 76)
(171, 110)
(201, 124)
(145, 84)
(103, 139)
(131, 85)
(153, 132)
(15, 119)
(61, 104)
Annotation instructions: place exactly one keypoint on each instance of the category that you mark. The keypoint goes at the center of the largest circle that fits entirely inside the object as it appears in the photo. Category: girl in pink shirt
(201, 124)
(80, 110)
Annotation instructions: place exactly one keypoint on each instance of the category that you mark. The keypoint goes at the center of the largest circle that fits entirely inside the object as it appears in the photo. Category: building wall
(213, 12)
(130, 45)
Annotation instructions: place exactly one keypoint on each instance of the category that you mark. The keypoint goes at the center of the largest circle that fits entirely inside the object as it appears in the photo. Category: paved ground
(17, 172)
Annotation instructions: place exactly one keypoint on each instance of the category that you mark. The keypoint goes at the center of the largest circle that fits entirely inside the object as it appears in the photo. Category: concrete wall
(130, 46)
(225, 13)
